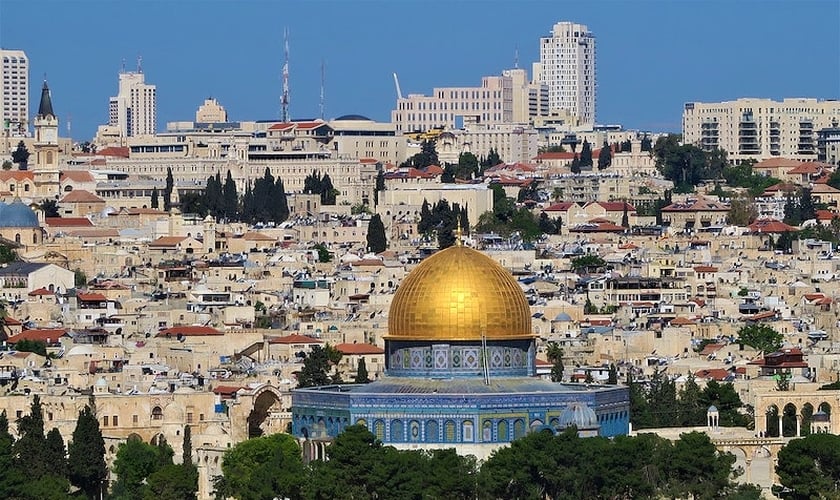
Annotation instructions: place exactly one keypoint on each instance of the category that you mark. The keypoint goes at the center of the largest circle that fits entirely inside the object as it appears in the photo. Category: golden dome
(459, 294)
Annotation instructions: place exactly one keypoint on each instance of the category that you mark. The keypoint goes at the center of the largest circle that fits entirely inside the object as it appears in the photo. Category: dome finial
(459, 234)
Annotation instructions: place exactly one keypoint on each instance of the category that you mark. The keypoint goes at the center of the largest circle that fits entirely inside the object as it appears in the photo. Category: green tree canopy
(21, 156)
(588, 263)
(317, 366)
(761, 337)
(262, 468)
(810, 467)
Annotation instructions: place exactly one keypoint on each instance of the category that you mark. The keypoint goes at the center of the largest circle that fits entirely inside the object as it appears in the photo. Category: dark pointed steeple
(45, 108)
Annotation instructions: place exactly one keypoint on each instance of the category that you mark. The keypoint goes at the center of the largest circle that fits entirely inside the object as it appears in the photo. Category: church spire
(45, 108)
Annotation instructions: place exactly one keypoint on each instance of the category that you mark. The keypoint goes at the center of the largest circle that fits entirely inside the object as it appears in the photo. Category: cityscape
(499, 287)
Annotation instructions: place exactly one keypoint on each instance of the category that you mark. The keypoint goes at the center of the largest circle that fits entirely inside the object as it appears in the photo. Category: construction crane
(397, 83)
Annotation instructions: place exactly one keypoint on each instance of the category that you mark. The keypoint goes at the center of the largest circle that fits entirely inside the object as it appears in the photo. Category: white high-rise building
(14, 107)
(567, 68)
(133, 111)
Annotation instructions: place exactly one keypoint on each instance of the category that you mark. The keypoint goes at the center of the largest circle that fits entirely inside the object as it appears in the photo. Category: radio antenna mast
(285, 99)
(323, 83)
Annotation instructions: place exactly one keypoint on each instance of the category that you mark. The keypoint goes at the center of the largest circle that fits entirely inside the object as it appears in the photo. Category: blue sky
(652, 55)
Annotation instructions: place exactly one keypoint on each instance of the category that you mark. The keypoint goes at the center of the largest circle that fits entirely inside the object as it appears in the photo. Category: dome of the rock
(459, 294)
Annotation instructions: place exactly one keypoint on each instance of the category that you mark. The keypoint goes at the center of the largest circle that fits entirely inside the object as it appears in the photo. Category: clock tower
(46, 172)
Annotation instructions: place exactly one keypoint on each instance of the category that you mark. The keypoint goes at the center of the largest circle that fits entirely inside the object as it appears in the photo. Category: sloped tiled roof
(358, 349)
(68, 222)
(294, 339)
(40, 335)
(81, 196)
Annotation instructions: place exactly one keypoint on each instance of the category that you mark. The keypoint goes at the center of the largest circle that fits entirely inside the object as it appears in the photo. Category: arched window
(379, 430)
(467, 431)
(449, 431)
(397, 432)
(432, 431)
(502, 431)
(487, 431)
(49, 157)
(17, 238)
(157, 413)
(518, 429)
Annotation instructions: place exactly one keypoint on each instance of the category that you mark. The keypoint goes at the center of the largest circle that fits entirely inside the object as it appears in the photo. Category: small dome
(353, 117)
(820, 416)
(17, 214)
(579, 415)
(562, 317)
(712, 409)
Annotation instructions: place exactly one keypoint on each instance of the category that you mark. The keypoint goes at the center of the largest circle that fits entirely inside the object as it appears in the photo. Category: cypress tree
(328, 192)
(87, 454)
(30, 448)
(281, 202)
(575, 167)
(586, 154)
(604, 157)
(187, 457)
(376, 240)
(625, 220)
(56, 453)
(167, 193)
(612, 378)
(230, 197)
(425, 224)
(11, 477)
(154, 203)
(362, 373)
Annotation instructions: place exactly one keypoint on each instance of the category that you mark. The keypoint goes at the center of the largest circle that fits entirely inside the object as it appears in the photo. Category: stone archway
(264, 415)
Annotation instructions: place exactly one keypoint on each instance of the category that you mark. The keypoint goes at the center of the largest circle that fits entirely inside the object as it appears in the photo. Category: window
(157, 413)
(135, 419)
(115, 420)
(105, 421)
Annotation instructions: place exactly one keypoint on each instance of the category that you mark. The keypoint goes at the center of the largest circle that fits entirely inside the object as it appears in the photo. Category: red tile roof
(718, 374)
(558, 155)
(44, 335)
(771, 226)
(358, 349)
(561, 206)
(40, 291)
(18, 175)
(188, 331)
(115, 151)
(167, 241)
(680, 321)
(705, 269)
(616, 206)
(81, 196)
(68, 222)
(77, 176)
(805, 168)
(294, 339)
(91, 297)
(776, 163)
(826, 215)
(226, 390)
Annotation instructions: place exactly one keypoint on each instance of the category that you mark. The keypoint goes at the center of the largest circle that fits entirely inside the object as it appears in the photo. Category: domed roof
(562, 317)
(580, 415)
(459, 294)
(17, 214)
(353, 117)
